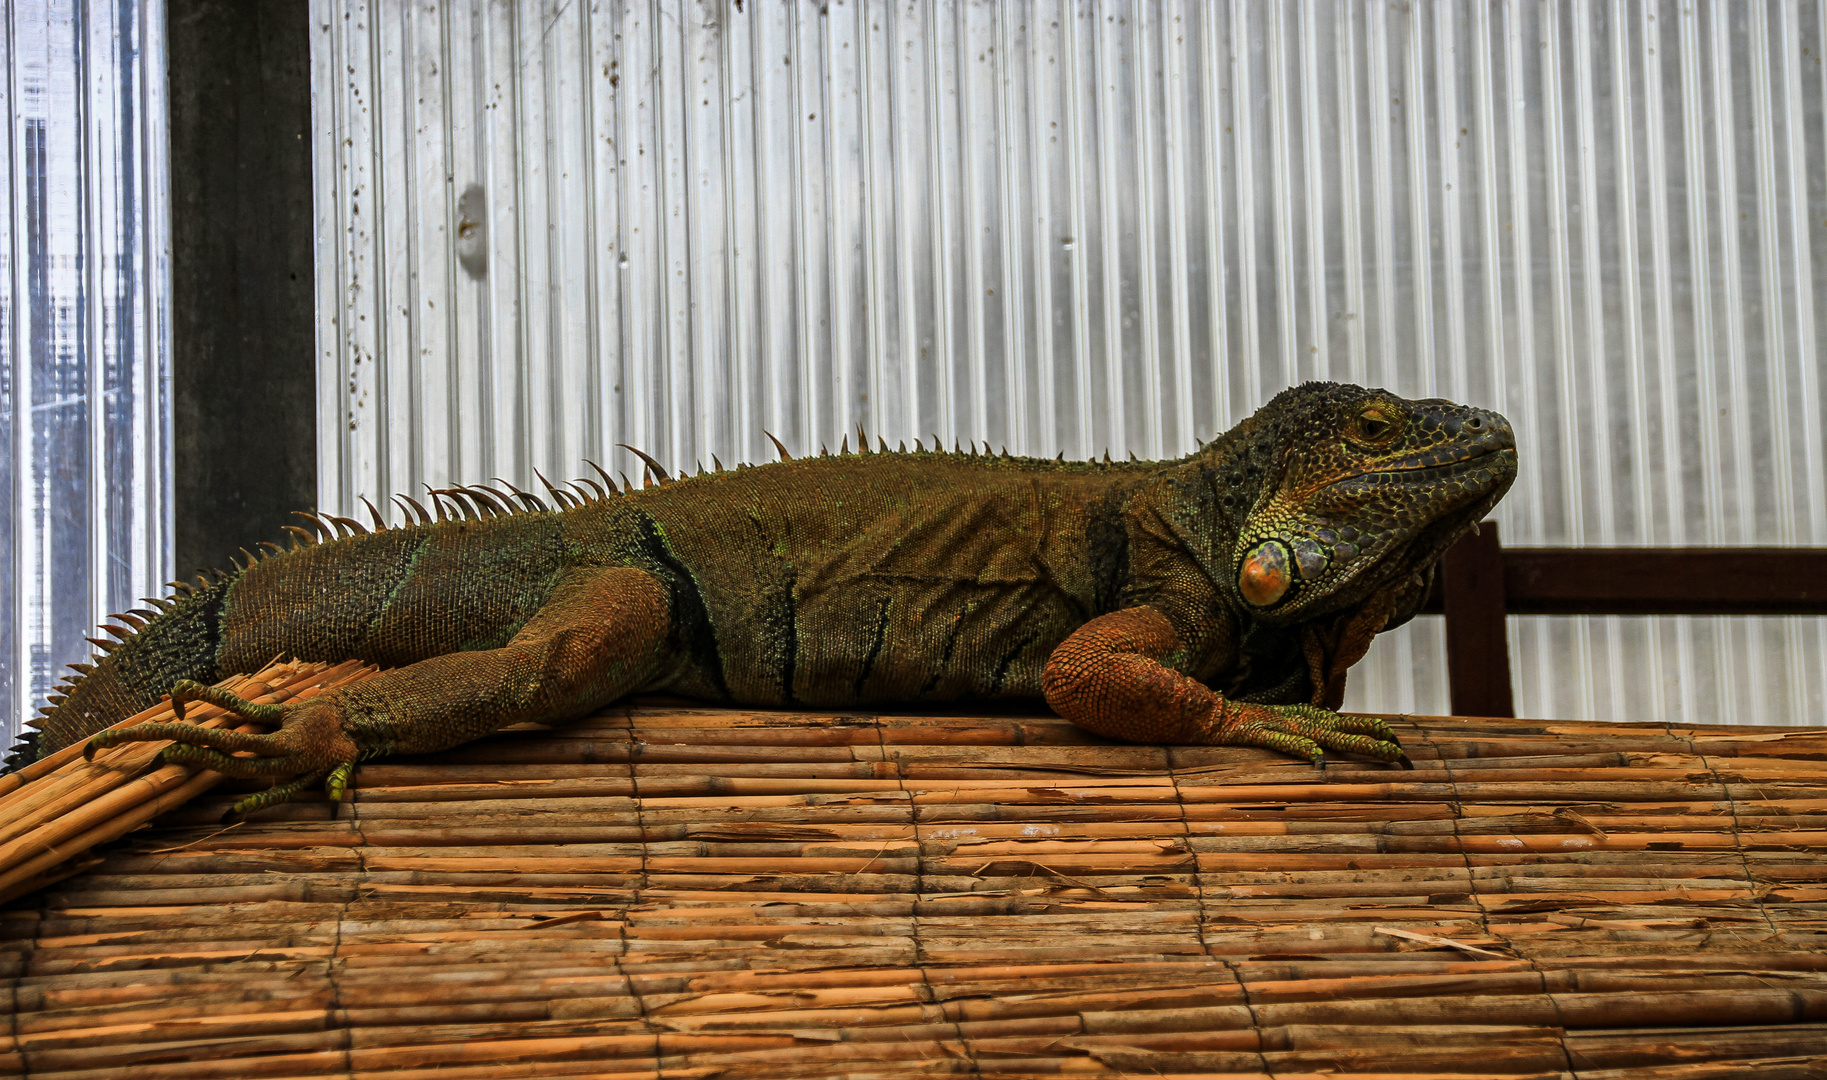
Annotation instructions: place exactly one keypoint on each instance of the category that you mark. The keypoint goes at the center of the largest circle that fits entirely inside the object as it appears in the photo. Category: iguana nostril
(1264, 578)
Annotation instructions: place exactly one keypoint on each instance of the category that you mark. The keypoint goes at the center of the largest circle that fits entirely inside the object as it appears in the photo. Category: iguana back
(872, 578)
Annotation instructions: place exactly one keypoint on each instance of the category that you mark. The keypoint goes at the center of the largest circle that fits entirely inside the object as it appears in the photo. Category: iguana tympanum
(1213, 600)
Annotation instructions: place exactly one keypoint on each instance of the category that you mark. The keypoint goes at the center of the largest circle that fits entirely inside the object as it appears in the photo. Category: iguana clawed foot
(1307, 731)
(309, 746)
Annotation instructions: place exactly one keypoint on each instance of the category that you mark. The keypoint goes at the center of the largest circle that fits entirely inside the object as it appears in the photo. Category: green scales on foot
(1216, 599)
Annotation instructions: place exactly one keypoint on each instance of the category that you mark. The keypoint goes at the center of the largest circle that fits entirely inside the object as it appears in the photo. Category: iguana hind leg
(1109, 678)
(602, 634)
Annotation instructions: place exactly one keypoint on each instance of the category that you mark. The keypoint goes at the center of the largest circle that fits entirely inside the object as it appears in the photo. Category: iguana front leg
(602, 634)
(1108, 678)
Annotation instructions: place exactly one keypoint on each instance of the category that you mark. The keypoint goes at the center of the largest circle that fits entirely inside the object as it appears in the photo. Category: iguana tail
(157, 648)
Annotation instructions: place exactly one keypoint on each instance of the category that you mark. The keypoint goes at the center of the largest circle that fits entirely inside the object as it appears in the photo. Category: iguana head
(1350, 491)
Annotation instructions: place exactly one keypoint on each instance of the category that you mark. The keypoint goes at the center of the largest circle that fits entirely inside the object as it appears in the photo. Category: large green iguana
(1217, 599)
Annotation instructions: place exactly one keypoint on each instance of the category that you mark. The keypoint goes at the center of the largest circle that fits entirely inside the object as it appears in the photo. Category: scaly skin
(1218, 599)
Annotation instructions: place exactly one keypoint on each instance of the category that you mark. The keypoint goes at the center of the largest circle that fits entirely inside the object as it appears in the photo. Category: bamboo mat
(686, 892)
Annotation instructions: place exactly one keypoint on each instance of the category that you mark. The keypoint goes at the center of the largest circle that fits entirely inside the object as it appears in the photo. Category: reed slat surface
(669, 890)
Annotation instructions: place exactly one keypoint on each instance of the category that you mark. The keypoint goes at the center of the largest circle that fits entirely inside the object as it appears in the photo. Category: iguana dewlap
(1217, 599)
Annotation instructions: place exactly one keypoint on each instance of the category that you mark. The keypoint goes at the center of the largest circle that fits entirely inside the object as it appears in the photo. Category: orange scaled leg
(1108, 679)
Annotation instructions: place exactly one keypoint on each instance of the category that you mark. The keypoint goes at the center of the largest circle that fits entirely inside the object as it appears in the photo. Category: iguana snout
(1366, 488)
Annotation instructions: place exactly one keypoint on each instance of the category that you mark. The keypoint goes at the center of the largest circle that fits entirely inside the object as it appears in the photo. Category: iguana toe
(338, 781)
(274, 795)
(186, 690)
(243, 768)
(309, 746)
(1306, 731)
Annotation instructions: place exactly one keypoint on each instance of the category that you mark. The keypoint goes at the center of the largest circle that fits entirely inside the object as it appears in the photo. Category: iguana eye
(1376, 425)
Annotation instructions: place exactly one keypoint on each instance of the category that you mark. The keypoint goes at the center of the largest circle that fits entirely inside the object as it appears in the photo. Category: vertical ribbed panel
(1107, 226)
(85, 525)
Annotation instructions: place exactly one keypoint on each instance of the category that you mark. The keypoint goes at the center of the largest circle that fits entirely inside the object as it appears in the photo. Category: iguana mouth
(1448, 463)
(1498, 460)
(1490, 446)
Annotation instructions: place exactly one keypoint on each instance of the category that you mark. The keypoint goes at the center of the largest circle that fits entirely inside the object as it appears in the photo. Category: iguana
(1217, 599)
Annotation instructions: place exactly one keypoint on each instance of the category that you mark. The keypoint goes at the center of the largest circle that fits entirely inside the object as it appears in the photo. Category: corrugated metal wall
(85, 509)
(546, 228)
